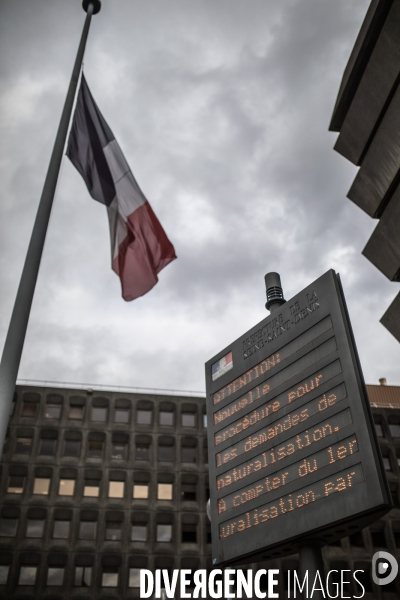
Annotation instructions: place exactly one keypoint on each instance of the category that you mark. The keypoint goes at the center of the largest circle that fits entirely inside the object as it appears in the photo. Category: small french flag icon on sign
(223, 365)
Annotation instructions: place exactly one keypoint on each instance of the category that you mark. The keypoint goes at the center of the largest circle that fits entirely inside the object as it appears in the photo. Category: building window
(99, 414)
(61, 530)
(189, 533)
(29, 409)
(119, 451)
(52, 411)
(23, 445)
(386, 463)
(66, 487)
(188, 492)
(87, 530)
(76, 412)
(95, 449)
(15, 484)
(166, 417)
(142, 452)
(379, 430)
(27, 576)
(394, 430)
(188, 420)
(113, 532)
(41, 485)
(164, 491)
(109, 577)
(8, 527)
(139, 533)
(4, 570)
(164, 533)
(83, 576)
(141, 491)
(47, 447)
(188, 455)
(144, 417)
(116, 489)
(166, 453)
(121, 415)
(35, 528)
(55, 576)
(71, 447)
(91, 490)
(134, 577)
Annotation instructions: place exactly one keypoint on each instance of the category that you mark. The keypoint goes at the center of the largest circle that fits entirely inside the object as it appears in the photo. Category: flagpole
(19, 320)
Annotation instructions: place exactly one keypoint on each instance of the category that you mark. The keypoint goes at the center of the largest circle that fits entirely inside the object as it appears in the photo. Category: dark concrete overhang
(363, 48)
(391, 320)
(367, 116)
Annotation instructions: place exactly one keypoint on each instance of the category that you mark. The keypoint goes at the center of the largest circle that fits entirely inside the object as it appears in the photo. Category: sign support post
(310, 553)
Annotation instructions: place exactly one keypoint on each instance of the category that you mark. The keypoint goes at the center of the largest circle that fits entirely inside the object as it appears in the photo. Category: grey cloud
(222, 110)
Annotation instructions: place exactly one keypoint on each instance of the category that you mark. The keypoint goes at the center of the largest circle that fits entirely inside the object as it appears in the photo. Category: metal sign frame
(293, 452)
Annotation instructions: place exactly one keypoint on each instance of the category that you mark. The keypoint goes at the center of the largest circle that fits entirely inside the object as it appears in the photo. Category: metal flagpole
(19, 320)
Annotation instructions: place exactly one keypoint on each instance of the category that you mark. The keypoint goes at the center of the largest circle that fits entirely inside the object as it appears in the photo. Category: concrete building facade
(97, 485)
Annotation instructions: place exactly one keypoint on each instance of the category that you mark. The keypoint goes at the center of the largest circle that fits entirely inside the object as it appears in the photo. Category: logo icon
(384, 568)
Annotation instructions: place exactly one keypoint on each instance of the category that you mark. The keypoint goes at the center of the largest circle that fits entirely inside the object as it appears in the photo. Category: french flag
(139, 245)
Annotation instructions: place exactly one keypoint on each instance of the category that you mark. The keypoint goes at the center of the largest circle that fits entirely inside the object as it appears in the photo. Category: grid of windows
(90, 510)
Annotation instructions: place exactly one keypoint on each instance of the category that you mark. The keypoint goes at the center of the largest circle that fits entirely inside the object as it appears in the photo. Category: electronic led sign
(293, 454)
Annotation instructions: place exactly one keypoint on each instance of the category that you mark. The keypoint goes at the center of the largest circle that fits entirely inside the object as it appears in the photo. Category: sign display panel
(293, 454)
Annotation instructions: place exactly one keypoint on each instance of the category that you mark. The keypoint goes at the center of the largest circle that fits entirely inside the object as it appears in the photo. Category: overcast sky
(222, 110)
